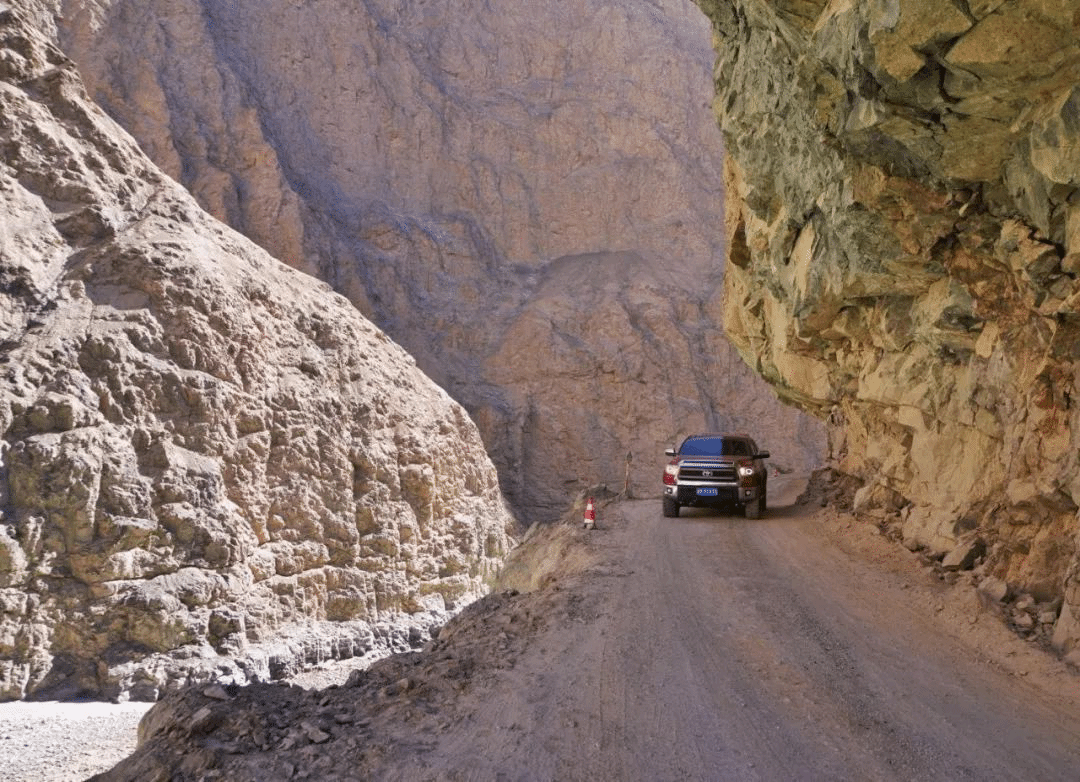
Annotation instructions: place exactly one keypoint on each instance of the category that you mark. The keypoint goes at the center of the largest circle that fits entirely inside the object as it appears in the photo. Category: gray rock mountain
(526, 197)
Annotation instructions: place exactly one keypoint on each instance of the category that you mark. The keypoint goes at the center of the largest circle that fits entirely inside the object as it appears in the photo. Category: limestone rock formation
(905, 245)
(206, 455)
(526, 200)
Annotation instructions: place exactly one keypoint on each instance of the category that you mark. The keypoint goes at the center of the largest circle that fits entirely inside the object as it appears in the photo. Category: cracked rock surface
(211, 466)
(904, 225)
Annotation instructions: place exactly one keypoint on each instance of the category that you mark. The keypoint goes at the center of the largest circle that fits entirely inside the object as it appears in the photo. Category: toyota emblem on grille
(706, 473)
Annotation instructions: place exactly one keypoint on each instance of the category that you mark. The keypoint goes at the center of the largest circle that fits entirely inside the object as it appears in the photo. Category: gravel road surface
(764, 650)
(803, 646)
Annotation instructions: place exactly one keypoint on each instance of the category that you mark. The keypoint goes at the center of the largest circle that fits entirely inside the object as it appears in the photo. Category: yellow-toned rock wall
(904, 228)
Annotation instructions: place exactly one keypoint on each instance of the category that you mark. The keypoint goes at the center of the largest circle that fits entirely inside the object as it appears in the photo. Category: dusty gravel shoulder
(52, 741)
(954, 609)
(65, 742)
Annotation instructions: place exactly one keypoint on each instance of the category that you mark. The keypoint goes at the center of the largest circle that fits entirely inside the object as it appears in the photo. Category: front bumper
(687, 494)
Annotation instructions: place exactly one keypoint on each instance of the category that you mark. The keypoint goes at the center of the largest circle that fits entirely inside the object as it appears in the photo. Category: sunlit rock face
(904, 228)
(527, 197)
(211, 465)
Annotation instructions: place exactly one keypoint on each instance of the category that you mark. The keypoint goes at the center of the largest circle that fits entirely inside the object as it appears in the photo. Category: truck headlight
(746, 471)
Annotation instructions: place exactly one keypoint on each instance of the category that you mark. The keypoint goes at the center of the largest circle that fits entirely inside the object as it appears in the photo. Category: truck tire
(754, 508)
(671, 508)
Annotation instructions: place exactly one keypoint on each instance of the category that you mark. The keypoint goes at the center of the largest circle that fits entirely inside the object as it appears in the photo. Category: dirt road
(757, 650)
(706, 647)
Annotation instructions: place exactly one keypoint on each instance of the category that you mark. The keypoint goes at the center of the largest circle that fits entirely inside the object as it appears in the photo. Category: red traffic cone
(590, 515)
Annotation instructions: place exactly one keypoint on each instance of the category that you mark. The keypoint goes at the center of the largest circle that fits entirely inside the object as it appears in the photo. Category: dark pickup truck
(716, 470)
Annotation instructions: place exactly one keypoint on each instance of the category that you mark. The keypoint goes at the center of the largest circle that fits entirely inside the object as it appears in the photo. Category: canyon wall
(211, 465)
(526, 199)
(904, 228)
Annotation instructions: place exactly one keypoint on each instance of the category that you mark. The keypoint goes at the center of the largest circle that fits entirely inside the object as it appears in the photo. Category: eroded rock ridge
(904, 229)
(211, 466)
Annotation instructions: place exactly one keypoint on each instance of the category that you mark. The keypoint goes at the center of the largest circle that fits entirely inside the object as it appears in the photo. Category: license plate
(707, 492)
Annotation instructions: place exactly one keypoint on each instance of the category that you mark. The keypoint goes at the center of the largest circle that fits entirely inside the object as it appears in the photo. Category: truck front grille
(690, 471)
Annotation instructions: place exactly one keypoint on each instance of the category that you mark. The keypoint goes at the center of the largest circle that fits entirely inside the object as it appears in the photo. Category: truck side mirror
(670, 452)
(762, 455)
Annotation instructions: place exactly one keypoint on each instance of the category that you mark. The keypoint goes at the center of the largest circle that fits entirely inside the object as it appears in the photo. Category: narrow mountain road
(757, 650)
(798, 647)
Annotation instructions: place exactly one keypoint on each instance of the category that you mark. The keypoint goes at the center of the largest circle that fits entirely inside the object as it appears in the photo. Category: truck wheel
(754, 508)
(671, 508)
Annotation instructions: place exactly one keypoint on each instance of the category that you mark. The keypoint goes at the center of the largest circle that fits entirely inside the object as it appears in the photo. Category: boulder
(1023, 621)
(993, 589)
(964, 556)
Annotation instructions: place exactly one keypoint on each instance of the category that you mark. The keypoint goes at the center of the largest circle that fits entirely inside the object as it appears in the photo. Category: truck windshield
(714, 446)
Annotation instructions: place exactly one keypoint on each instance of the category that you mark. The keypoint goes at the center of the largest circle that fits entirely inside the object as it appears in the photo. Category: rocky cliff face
(526, 200)
(905, 245)
(211, 466)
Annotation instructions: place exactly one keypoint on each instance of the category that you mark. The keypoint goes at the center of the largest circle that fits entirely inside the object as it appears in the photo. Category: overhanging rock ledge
(904, 227)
